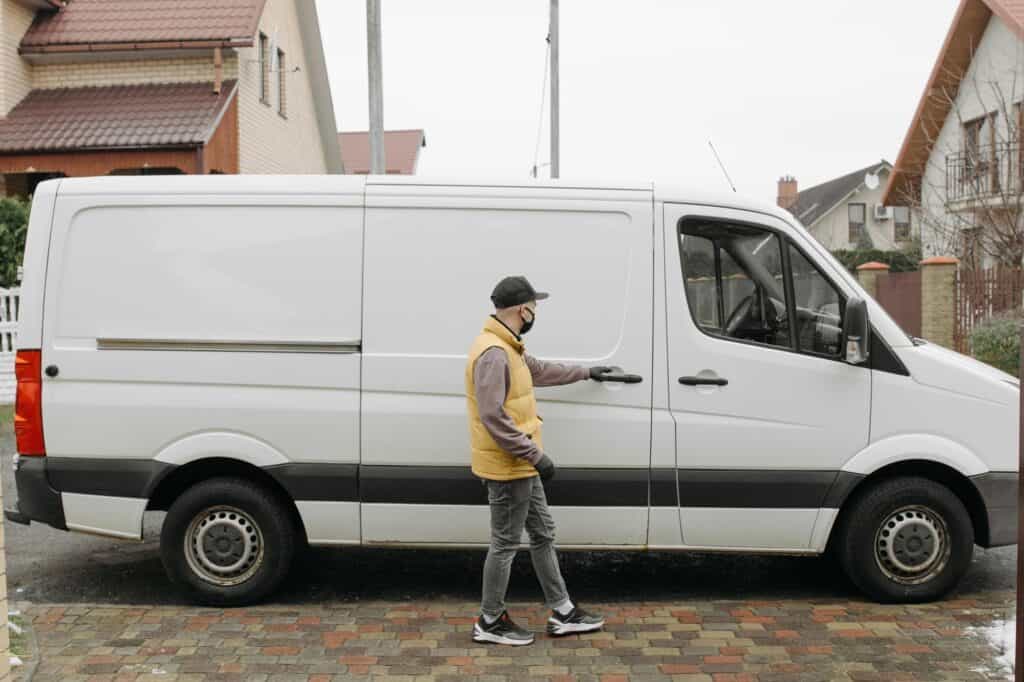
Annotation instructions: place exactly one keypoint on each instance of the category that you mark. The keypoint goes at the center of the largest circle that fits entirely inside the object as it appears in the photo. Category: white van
(278, 361)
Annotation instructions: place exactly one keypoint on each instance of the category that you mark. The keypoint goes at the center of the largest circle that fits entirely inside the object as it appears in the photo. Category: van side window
(819, 308)
(735, 284)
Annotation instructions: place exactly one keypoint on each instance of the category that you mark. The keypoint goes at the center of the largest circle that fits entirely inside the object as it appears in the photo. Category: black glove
(546, 468)
(597, 373)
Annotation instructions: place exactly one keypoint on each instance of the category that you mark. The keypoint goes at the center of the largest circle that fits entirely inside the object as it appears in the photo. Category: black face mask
(528, 325)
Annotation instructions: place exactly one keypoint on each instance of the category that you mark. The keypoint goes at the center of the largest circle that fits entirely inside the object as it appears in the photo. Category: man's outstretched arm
(555, 374)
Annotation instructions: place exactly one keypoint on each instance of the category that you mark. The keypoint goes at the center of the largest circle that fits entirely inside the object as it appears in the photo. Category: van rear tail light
(28, 403)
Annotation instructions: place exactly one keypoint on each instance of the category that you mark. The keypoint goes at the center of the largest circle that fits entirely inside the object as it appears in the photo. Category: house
(847, 212)
(961, 159)
(401, 151)
(96, 87)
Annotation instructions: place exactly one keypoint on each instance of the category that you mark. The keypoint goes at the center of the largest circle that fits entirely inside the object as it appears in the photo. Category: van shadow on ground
(49, 566)
(133, 574)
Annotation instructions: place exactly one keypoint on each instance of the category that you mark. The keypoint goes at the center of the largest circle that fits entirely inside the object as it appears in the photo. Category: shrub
(13, 227)
(996, 341)
(898, 261)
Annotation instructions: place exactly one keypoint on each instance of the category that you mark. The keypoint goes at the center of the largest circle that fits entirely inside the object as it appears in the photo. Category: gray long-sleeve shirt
(491, 382)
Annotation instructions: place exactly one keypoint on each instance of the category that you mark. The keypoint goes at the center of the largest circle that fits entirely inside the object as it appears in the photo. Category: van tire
(923, 550)
(255, 529)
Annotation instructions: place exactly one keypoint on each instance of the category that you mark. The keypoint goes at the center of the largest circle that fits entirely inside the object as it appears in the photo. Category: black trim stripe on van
(441, 485)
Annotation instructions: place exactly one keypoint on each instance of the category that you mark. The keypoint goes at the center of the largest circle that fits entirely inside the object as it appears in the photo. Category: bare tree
(971, 197)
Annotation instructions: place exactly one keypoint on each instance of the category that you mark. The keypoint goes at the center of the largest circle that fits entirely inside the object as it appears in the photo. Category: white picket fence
(10, 301)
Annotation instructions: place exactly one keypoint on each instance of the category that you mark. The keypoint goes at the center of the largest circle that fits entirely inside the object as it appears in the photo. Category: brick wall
(270, 143)
(938, 299)
(124, 72)
(868, 274)
(15, 73)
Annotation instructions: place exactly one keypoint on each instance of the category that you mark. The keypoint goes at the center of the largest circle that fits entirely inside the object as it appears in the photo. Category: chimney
(788, 194)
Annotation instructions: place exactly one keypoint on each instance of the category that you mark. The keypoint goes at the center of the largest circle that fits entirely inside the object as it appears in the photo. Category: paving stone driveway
(686, 640)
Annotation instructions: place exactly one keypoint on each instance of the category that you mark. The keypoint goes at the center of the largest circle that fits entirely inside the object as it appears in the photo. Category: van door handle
(703, 381)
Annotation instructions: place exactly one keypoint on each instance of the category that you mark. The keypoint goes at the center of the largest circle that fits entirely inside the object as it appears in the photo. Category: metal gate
(980, 294)
(900, 294)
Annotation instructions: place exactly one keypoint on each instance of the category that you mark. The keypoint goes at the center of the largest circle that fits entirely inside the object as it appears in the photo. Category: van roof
(352, 184)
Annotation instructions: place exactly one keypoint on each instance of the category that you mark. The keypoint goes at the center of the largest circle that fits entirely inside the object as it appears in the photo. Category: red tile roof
(401, 151)
(115, 117)
(969, 24)
(1010, 11)
(137, 24)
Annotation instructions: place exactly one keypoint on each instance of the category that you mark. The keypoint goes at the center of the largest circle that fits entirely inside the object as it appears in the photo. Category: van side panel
(187, 327)
(433, 256)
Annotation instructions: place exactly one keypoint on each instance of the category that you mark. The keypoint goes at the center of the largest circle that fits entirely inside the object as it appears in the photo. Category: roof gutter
(136, 46)
(184, 146)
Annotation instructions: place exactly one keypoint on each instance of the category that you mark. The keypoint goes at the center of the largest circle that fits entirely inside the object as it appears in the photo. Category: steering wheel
(739, 314)
(743, 312)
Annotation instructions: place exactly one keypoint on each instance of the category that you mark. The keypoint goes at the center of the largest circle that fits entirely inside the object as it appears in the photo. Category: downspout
(218, 70)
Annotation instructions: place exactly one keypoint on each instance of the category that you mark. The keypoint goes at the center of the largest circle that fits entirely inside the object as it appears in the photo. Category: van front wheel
(905, 540)
(228, 541)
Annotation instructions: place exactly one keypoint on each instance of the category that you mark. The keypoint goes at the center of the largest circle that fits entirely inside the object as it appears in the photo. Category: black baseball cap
(515, 291)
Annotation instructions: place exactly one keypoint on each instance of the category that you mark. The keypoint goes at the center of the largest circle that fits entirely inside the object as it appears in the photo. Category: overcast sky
(812, 88)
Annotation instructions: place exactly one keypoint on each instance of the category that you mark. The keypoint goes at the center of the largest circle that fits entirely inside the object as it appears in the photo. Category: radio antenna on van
(721, 165)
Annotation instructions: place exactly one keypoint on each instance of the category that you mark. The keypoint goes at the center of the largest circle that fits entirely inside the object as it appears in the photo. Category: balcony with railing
(984, 174)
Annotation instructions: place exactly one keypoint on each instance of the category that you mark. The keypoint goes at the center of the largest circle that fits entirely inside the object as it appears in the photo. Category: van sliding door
(433, 255)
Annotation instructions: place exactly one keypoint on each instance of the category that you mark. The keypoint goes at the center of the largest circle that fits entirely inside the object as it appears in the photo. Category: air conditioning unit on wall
(882, 212)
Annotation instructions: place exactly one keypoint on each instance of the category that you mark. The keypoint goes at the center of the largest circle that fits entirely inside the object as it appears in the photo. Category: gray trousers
(516, 505)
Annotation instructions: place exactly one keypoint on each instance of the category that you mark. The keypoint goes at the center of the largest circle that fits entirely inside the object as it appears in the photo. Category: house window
(901, 222)
(282, 85)
(264, 58)
(979, 153)
(858, 216)
(973, 138)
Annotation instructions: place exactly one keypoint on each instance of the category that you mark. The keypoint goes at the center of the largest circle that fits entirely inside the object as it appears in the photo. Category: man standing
(508, 454)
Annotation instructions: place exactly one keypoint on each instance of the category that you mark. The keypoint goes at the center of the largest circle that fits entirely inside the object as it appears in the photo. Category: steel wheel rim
(224, 546)
(912, 545)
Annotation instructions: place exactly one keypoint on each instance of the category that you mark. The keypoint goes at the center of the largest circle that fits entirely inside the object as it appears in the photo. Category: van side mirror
(856, 331)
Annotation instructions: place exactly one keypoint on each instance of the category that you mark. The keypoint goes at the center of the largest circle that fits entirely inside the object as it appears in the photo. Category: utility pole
(553, 37)
(373, 48)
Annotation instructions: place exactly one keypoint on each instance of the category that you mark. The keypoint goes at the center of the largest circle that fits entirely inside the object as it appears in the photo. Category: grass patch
(19, 640)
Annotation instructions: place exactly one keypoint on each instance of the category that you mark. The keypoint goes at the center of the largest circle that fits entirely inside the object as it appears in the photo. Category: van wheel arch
(960, 485)
(179, 479)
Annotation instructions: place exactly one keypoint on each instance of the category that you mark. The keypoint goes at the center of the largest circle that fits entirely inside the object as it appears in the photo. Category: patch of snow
(1002, 637)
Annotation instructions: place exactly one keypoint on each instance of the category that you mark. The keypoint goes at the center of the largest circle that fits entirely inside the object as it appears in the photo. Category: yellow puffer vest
(489, 460)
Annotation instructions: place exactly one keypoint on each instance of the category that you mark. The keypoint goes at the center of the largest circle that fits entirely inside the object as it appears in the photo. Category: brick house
(96, 87)
(962, 160)
(846, 212)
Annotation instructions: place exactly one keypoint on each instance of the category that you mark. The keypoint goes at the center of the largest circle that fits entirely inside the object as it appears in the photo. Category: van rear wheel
(906, 539)
(227, 541)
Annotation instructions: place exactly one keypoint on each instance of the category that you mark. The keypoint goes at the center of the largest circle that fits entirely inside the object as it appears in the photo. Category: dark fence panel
(900, 294)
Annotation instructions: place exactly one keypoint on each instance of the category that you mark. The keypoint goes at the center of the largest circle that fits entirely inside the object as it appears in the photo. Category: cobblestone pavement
(719, 640)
